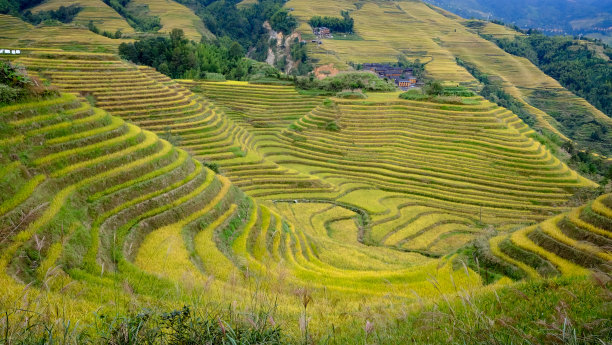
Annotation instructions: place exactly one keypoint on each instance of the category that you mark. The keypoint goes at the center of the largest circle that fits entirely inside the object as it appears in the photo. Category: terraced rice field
(102, 15)
(364, 202)
(436, 37)
(176, 16)
(567, 244)
(211, 132)
(430, 177)
(17, 34)
(146, 216)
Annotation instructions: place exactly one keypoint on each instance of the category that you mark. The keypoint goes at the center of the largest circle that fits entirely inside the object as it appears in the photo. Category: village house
(322, 32)
(402, 77)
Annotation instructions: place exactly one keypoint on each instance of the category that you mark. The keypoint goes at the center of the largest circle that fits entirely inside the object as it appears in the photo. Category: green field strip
(448, 172)
(521, 239)
(121, 232)
(72, 126)
(550, 228)
(130, 134)
(43, 120)
(92, 252)
(115, 123)
(574, 217)
(150, 258)
(600, 207)
(212, 259)
(57, 203)
(422, 221)
(54, 253)
(494, 245)
(37, 106)
(181, 159)
(149, 141)
(257, 245)
(399, 178)
(460, 148)
(429, 236)
(23, 194)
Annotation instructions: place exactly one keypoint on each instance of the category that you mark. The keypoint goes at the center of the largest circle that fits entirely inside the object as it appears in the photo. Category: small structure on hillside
(10, 51)
(403, 77)
(322, 32)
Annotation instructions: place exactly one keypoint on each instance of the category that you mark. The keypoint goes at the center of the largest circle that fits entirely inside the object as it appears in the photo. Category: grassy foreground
(554, 311)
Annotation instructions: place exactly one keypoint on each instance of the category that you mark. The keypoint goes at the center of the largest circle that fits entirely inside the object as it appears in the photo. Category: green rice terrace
(285, 216)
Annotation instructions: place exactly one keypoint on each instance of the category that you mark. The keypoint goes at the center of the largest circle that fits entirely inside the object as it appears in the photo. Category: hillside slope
(96, 11)
(277, 145)
(90, 201)
(591, 18)
(437, 37)
(172, 15)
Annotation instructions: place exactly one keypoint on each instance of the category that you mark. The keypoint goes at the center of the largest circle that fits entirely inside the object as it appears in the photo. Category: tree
(283, 21)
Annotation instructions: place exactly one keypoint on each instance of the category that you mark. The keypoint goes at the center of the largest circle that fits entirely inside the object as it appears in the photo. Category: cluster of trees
(178, 57)
(139, 20)
(244, 24)
(572, 63)
(363, 81)
(62, 14)
(344, 24)
(93, 28)
(434, 91)
(283, 21)
(15, 7)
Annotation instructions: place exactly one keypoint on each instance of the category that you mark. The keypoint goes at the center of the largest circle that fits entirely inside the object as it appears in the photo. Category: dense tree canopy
(245, 24)
(14, 7)
(344, 24)
(178, 57)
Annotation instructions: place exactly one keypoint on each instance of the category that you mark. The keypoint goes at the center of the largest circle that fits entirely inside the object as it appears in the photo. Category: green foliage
(433, 88)
(570, 62)
(364, 81)
(14, 7)
(435, 92)
(212, 166)
(14, 83)
(178, 57)
(10, 94)
(283, 21)
(244, 25)
(344, 24)
(62, 14)
(183, 326)
(332, 126)
(93, 28)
